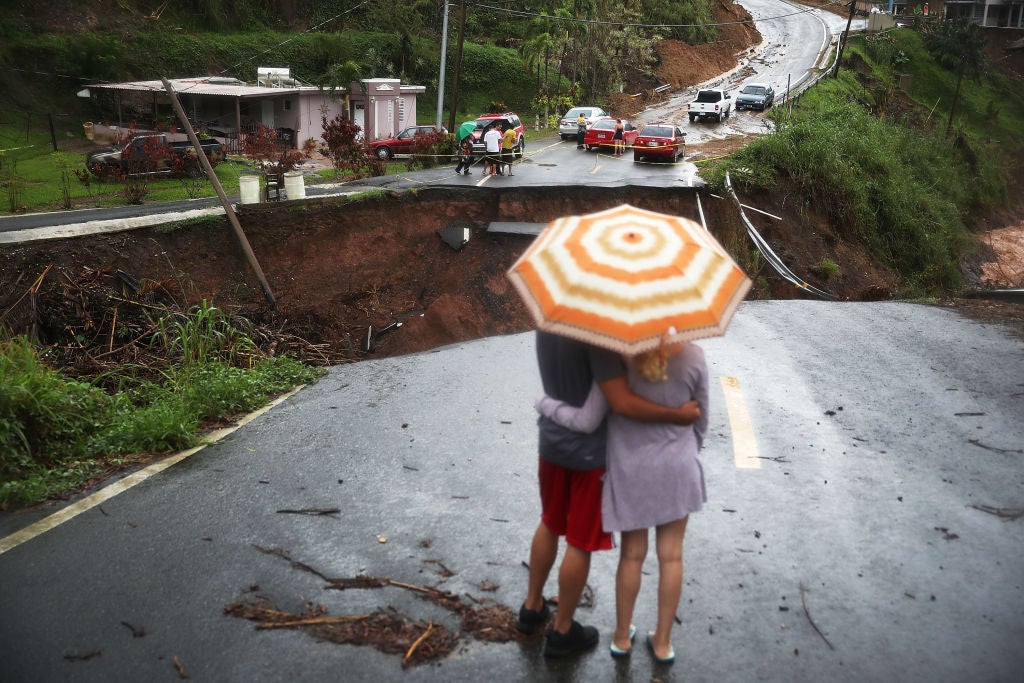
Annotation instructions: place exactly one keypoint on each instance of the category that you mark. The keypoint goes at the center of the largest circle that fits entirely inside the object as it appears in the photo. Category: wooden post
(846, 35)
(228, 209)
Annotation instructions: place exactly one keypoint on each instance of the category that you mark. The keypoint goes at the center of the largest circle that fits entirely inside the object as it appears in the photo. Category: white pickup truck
(716, 104)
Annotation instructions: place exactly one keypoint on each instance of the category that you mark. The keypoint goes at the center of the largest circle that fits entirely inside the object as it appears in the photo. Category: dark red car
(387, 148)
(661, 141)
(601, 133)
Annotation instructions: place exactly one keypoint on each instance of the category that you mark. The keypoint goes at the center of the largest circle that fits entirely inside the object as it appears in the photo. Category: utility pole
(444, 58)
(228, 209)
(846, 34)
(458, 69)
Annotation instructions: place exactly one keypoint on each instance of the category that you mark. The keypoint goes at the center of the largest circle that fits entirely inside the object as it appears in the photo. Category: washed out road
(864, 473)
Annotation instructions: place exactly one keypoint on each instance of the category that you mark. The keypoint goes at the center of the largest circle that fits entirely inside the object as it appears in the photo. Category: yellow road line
(108, 492)
(744, 442)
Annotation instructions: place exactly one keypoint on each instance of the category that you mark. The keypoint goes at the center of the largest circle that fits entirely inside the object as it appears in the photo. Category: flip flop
(618, 652)
(670, 659)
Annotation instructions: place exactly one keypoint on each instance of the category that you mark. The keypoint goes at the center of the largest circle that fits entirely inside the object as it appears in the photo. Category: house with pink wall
(226, 107)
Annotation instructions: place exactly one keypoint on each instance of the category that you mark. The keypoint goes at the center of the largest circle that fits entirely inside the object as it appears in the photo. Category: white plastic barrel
(249, 186)
(294, 185)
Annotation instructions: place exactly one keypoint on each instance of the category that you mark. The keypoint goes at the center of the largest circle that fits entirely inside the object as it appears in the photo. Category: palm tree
(341, 75)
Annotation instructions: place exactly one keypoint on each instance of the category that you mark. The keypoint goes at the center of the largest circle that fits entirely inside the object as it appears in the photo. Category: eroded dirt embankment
(337, 266)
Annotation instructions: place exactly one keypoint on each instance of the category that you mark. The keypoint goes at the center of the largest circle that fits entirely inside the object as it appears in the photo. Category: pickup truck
(151, 153)
(716, 104)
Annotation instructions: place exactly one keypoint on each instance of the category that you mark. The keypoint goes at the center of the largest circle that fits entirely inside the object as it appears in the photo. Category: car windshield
(604, 125)
(709, 96)
(574, 113)
(753, 90)
(657, 132)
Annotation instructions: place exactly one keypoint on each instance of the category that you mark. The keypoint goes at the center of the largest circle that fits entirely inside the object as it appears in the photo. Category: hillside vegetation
(885, 165)
(510, 54)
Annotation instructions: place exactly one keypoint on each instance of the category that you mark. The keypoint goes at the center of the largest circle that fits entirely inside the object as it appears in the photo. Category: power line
(624, 24)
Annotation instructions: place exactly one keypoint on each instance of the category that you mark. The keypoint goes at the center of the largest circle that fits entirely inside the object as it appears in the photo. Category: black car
(755, 96)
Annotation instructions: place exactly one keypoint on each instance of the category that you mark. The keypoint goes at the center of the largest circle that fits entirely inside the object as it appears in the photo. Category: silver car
(567, 124)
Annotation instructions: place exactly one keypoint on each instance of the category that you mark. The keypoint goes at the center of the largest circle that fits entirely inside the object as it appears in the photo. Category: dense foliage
(511, 52)
(886, 170)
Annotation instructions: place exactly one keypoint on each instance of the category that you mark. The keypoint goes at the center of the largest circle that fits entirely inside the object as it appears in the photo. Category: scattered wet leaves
(137, 631)
(387, 629)
(82, 656)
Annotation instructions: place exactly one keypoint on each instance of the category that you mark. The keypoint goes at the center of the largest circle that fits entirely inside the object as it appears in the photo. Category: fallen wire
(1008, 514)
(994, 449)
(312, 511)
(807, 613)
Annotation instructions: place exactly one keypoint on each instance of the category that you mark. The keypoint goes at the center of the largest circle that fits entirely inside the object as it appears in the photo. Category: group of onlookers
(499, 150)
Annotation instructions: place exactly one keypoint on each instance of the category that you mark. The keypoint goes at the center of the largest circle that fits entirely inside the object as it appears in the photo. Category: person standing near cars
(465, 155)
(508, 144)
(617, 140)
(492, 148)
(581, 130)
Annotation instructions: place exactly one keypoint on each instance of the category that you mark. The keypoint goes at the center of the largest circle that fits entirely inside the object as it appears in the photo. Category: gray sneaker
(578, 639)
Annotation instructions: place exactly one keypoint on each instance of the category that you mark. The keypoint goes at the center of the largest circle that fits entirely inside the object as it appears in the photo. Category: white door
(359, 118)
(267, 113)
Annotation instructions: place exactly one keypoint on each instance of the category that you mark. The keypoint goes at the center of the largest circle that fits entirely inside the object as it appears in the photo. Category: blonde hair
(652, 365)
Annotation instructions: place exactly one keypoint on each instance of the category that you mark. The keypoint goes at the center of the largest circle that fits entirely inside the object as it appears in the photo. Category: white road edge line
(108, 492)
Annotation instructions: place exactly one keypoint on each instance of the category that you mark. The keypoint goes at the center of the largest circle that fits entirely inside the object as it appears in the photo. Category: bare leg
(572, 578)
(543, 552)
(669, 545)
(627, 583)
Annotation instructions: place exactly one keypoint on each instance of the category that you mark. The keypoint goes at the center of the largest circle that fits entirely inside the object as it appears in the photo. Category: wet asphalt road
(863, 465)
(861, 461)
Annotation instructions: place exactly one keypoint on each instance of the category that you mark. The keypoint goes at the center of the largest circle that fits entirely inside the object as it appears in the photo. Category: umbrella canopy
(465, 129)
(622, 278)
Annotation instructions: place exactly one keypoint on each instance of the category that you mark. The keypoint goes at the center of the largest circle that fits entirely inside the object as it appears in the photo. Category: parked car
(508, 118)
(660, 140)
(710, 104)
(151, 153)
(387, 148)
(567, 124)
(603, 131)
(755, 96)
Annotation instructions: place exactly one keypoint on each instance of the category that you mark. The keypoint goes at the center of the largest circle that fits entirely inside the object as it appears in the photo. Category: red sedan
(601, 133)
(661, 140)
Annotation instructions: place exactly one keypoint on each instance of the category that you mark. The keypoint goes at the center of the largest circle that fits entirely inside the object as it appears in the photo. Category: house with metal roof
(228, 108)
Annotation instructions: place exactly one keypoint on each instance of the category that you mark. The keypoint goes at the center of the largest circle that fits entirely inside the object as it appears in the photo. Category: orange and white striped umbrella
(621, 278)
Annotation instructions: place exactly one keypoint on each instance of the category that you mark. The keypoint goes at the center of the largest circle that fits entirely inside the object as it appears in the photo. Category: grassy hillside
(873, 152)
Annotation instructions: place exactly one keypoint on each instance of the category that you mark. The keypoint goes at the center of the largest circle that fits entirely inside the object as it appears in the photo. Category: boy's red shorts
(571, 505)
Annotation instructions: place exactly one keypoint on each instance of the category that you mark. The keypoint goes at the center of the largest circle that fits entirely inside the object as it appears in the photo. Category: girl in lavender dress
(653, 479)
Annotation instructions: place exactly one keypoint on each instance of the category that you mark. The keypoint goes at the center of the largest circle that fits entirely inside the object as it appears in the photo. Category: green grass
(56, 433)
(35, 177)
